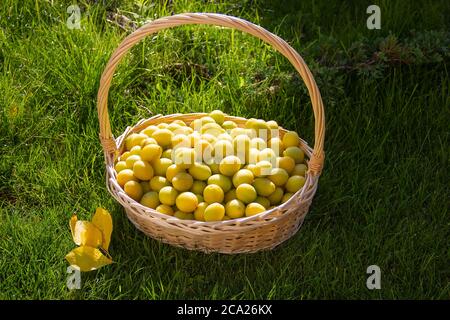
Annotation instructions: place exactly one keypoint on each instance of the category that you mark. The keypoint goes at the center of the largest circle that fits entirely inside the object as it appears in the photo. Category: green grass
(383, 197)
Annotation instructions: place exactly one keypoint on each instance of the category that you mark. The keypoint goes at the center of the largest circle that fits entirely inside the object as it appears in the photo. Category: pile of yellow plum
(211, 169)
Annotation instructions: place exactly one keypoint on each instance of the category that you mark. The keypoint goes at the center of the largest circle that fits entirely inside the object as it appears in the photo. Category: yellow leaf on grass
(72, 223)
(103, 221)
(87, 234)
(93, 238)
(87, 258)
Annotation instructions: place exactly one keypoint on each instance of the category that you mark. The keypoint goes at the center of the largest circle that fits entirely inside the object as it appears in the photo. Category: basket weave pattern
(249, 234)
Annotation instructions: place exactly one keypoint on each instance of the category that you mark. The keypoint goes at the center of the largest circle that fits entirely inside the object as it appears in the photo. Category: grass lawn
(383, 197)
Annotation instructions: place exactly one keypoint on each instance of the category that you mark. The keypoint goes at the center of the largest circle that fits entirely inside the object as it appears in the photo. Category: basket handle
(106, 138)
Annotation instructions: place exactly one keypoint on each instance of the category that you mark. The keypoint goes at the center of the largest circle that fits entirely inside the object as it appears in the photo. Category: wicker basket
(249, 234)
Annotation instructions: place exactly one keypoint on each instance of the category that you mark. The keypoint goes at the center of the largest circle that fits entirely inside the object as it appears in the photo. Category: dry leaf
(72, 223)
(87, 234)
(93, 238)
(87, 258)
(103, 221)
